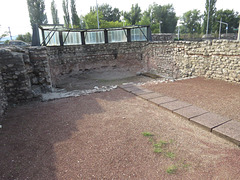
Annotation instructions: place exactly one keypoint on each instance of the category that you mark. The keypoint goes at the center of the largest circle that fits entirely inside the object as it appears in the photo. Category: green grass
(147, 134)
(170, 155)
(172, 169)
(158, 150)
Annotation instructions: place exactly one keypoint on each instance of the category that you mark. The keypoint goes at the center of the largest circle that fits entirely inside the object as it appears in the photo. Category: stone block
(190, 112)
(210, 120)
(141, 91)
(229, 131)
(162, 100)
(151, 95)
(175, 105)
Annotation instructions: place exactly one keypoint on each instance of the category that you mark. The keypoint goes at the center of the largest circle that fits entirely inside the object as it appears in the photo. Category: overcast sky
(14, 13)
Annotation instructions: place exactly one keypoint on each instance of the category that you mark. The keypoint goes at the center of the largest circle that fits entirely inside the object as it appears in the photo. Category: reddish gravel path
(213, 95)
(99, 137)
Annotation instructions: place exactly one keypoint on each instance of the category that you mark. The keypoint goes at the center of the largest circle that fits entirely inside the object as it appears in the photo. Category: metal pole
(219, 37)
(178, 32)
(238, 31)
(10, 33)
(208, 16)
(97, 14)
(160, 26)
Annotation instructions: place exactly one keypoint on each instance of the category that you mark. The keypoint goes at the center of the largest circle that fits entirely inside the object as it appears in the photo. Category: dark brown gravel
(99, 136)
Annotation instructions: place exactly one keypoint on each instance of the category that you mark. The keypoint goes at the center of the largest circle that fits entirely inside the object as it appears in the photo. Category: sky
(14, 13)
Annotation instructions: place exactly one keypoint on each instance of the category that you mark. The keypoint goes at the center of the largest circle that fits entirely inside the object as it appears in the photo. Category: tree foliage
(54, 12)
(75, 17)
(36, 9)
(133, 16)
(166, 15)
(66, 16)
(192, 21)
(25, 37)
(228, 16)
(212, 10)
(108, 13)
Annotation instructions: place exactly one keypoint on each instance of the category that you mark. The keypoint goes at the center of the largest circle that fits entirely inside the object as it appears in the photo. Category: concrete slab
(210, 120)
(132, 88)
(141, 91)
(190, 112)
(175, 105)
(162, 100)
(126, 85)
(151, 95)
(229, 131)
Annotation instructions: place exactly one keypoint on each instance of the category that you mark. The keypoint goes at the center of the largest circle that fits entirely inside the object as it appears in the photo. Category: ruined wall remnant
(27, 72)
(219, 59)
(74, 59)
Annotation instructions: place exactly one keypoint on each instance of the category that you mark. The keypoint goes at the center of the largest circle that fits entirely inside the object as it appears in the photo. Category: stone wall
(163, 37)
(219, 59)
(27, 72)
(74, 59)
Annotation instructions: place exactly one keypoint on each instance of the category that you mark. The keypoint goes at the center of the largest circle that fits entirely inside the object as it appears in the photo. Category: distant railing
(57, 35)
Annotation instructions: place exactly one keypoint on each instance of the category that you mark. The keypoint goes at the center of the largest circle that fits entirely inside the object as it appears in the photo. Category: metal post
(178, 32)
(97, 14)
(208, 16)
(10, 33)
(160, 26)
(238, 31)
(219, 37)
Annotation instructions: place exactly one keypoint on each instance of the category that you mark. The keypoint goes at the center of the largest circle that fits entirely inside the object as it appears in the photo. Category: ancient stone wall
(74, 59)
(219, 59)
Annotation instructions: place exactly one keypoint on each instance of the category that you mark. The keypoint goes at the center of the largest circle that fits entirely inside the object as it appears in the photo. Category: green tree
(108, 13)
(91, 19)
(166, 16)
(75, 17)
(212, 10)
(25, 37)
(66, 16)
(54, 12)
(146, 17)
(133, 16)
(192, 21)
(228, 16)
(36, 9)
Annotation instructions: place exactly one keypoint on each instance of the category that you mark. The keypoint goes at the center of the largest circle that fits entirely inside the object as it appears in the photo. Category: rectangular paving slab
(229, 131)
(209, 120)
(175, 105)
(162, 100)
(190, 112)
(151, 95)
(141, 91)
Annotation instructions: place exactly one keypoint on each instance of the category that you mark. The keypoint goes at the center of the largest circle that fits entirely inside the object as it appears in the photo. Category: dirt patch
(99, 136)
(213, 95)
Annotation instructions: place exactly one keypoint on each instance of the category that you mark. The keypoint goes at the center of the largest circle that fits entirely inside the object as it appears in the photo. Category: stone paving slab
(151, 95)
(132, 88)
(126, 85)
(190, 112)
(229, 130)
(141, 91)
(210, 120)
(162, 100)
(175, 105)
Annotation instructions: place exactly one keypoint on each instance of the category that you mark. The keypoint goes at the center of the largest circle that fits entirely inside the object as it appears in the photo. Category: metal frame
(60, 28)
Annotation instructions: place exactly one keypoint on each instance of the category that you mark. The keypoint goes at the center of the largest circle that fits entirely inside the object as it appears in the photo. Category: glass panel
(54, 35)
(117, 36)
(94, 37)
(73, 38)
(138, 34)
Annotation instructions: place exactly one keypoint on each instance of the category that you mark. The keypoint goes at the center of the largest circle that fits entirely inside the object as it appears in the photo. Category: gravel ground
(99, 136)
(216, 96)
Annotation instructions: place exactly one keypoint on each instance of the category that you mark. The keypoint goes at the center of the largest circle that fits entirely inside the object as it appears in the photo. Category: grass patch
(158, 150)
(147, 134)
(170, 155)
(172, 169)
